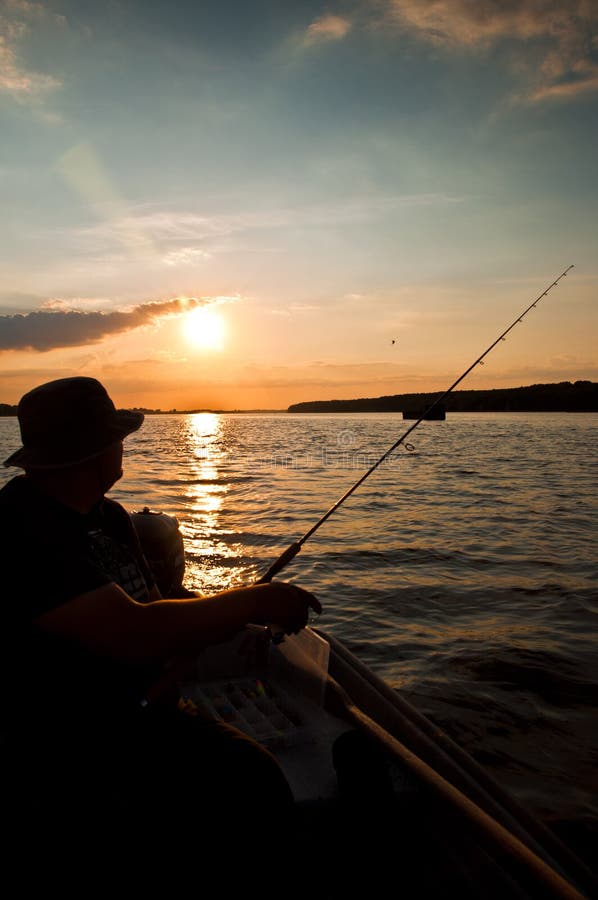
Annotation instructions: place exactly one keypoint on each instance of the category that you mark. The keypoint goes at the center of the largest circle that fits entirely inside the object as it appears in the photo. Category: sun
(204, 328)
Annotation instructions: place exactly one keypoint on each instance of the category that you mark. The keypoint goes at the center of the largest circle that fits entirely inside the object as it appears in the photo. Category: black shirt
(50, 554)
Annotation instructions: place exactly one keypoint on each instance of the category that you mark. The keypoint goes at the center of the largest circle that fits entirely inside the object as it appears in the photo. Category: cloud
(48, 329)
(327, 28)
(185, 256)
(78, 304)
(473, 22)
(563, 32)
(182, 236)
(581, 77)
(16, 17)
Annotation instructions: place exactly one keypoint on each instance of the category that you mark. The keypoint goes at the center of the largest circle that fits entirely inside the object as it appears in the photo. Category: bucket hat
(69, 421)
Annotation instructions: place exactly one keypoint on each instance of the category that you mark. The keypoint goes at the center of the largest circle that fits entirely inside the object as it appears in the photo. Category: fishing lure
(291, 552)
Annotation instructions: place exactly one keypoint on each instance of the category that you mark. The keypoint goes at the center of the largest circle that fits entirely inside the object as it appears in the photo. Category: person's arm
(109, 622)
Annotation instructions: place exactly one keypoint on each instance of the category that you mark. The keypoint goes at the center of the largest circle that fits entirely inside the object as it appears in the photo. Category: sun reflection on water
(207, 488)
(204, 433)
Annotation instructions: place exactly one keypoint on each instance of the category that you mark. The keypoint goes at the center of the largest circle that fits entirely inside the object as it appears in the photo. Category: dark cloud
(48, 329)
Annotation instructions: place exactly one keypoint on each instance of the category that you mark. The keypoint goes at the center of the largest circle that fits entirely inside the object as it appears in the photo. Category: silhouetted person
(86, 633)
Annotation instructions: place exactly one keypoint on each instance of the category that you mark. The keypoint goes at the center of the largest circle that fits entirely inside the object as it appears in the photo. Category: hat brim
(123, 422)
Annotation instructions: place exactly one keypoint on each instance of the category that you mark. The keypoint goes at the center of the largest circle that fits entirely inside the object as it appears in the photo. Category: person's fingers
(305, 596)
(315, 604)
(288, 605)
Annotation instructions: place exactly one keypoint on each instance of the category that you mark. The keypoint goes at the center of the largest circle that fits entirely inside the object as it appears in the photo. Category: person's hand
(284, 604)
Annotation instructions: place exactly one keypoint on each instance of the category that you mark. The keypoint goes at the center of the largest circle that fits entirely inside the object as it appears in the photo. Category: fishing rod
(291, 552)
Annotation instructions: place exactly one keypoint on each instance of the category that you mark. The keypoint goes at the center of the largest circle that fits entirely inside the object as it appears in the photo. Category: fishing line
(285, 558)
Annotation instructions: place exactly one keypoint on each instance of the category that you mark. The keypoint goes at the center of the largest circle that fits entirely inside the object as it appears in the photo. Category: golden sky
(325, 179)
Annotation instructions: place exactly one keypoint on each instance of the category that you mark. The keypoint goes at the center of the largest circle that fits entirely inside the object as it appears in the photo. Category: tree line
(579, 396)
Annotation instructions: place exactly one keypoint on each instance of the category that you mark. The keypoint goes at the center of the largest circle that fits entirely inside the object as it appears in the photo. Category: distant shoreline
(579, 396)
(7, 410)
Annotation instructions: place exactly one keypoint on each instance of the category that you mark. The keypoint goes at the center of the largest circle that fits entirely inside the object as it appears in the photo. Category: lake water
(463, 571)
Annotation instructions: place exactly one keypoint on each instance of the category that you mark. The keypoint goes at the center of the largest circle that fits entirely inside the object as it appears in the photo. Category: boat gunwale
(434, 748)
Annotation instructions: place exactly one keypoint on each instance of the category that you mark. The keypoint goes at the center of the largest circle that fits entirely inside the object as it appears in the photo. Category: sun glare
(204, 328)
